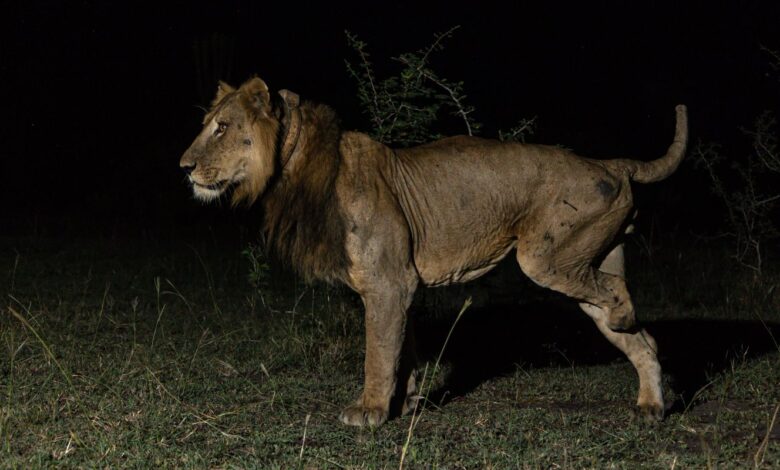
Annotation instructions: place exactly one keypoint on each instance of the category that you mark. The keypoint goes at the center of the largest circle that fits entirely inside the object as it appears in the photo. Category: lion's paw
(649, 413)
(359, 415)
(621, 318)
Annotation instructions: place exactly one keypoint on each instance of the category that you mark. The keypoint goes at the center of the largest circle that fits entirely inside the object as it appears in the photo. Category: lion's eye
(221, 126)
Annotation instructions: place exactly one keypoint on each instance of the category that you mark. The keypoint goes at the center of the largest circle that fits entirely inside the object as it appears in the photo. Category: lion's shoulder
(357, 141)
(359, 151)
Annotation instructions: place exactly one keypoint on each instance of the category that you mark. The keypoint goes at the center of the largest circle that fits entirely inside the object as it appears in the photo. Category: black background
(100, 99)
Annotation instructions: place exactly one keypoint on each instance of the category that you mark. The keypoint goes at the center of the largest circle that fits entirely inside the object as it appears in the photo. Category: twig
(437, 42)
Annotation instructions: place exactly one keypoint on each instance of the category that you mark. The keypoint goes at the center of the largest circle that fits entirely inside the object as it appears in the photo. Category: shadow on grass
(491, 341)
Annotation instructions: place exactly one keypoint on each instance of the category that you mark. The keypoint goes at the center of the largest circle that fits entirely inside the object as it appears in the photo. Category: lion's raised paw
(621, 318)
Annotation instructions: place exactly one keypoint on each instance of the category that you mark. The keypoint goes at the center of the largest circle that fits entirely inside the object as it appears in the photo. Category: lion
(341, 207)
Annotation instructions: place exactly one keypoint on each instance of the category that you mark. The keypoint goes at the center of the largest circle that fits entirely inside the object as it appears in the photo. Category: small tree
(404, 108)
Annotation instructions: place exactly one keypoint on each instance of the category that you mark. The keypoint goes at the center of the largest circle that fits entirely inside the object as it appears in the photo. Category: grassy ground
(138, 354)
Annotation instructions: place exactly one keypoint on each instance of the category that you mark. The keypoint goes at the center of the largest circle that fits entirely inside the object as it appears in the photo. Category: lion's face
(236, 148)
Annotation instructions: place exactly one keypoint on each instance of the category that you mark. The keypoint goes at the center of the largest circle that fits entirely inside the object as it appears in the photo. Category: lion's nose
(187, 167)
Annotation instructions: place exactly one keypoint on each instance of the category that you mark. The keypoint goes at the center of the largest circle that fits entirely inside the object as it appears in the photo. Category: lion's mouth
(218, 186)
(210, 192)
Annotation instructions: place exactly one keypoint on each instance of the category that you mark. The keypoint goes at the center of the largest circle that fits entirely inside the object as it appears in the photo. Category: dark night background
(100, 99)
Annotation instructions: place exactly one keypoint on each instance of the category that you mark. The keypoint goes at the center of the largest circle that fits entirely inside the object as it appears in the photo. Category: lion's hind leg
(407, 393)
(568, 269)
(638, 345)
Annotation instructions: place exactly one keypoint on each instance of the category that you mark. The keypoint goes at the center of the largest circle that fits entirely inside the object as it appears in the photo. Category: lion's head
(237, 146)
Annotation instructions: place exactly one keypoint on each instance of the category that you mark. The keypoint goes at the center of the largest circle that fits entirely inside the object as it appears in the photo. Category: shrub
(404, 108)
(748, 187)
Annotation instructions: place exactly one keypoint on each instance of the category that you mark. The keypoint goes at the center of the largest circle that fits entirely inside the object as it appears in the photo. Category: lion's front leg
(385, 326)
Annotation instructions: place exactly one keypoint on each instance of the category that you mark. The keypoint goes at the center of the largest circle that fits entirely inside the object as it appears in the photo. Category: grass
(116, 354)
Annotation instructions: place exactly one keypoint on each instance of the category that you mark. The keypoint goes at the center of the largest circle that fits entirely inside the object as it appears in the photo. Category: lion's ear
(257, 90)
(223, 89)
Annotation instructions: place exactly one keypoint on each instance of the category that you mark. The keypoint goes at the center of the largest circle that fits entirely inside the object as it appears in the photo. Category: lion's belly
(441, 266)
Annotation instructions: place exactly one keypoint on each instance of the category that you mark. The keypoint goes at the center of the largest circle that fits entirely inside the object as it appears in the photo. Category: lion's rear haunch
(339, 206)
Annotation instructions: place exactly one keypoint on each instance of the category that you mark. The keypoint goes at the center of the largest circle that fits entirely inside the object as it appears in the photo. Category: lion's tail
(656, 170)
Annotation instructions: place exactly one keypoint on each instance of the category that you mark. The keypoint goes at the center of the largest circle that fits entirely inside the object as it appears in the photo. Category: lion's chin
(209, 192)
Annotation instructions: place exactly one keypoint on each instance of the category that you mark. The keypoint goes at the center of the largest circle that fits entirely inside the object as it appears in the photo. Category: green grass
(119, 355)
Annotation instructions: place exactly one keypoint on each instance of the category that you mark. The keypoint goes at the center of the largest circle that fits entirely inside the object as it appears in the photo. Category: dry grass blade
(303, 441)
(44, 345)
(758, 458)
(416, 417)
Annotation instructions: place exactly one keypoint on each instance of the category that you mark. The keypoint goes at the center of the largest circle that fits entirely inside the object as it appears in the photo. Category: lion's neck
(304, 225)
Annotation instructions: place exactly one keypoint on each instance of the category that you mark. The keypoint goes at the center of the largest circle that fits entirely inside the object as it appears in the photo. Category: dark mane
(304, 224)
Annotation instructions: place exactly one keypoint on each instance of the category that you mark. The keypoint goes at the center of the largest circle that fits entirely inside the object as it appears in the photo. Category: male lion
(342, 207)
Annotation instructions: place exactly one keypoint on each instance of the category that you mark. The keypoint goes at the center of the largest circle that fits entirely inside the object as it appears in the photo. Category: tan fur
(346, 208)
